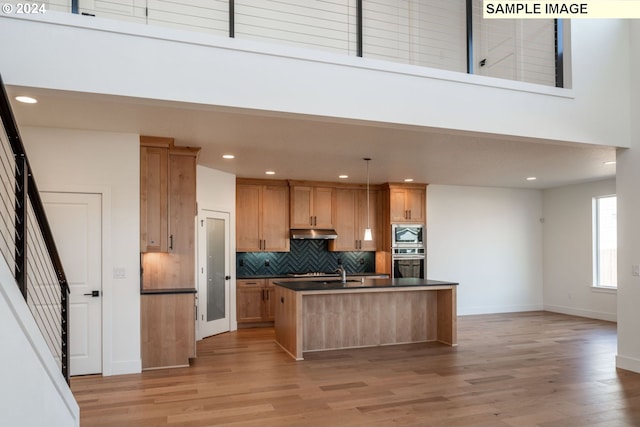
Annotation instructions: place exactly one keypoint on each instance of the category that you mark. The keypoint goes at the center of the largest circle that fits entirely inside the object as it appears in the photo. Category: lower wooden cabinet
(167, 329)
(254, 301)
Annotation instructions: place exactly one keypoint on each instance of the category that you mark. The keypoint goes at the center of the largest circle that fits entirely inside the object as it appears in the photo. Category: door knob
(94, 294)
(227, 277)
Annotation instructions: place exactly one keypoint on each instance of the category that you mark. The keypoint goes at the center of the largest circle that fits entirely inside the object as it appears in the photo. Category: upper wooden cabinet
(407, 204)
(312, 206)
(167, 213)
(182, 213)
(154, 169)
(351, 220)
(262, 216)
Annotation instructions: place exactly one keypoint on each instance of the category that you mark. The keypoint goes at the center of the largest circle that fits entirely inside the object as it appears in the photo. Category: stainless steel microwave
(407, 235)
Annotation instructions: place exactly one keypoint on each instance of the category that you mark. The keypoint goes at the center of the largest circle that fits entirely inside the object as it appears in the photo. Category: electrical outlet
(635, 270)
(119, 273)
(266, 263)
(361, 260)
(241, 262)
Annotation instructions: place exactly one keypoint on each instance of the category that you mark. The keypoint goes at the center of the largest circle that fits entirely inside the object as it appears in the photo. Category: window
(605, 244)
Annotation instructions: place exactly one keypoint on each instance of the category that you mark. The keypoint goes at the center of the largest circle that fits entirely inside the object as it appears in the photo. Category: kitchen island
(329, 315)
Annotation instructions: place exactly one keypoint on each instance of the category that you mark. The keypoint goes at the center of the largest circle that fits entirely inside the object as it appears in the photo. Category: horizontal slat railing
(27, 243)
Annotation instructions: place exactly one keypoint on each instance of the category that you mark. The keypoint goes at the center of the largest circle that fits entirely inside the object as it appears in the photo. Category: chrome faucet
(343, 273)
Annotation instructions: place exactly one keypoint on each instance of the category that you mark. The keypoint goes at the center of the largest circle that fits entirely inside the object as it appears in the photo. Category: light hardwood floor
(522, 369)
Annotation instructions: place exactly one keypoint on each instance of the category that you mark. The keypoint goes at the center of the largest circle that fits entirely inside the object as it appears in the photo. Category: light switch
(635, 270)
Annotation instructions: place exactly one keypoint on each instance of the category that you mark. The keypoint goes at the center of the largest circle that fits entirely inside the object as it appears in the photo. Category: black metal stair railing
(27, 242)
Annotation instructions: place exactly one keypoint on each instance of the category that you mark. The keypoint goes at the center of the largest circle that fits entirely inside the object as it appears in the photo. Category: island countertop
(332, 284)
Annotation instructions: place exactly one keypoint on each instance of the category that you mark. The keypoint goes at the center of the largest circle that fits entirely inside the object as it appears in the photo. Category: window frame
(596, 285)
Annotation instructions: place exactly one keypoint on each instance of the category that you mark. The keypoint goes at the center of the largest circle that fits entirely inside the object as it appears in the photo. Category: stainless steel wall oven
(408, 265)
(407, 252)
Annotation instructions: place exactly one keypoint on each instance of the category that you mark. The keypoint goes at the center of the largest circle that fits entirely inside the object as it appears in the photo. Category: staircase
(26, 241)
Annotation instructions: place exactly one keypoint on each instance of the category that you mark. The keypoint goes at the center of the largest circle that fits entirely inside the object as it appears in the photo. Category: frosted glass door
(214, 280)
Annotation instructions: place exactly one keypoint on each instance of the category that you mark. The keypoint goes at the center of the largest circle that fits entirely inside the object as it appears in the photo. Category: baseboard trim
(610, 317)
(466, 311)
(124, 367)
(628, 363)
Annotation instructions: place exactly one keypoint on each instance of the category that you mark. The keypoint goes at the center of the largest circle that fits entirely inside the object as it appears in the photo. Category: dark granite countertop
(288, 276)
(333, 284)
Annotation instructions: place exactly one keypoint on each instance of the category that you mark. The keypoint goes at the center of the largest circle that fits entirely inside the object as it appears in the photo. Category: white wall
(490, 241)
(34, 392)
(107, 163)
(628, 191)
(216, 191)
(568, 252)
(134, 60)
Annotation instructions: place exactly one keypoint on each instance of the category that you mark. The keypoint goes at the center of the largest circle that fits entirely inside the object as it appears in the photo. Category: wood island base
(314, 320)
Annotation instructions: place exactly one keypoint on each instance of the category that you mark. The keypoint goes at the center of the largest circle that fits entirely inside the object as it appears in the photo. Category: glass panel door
(213, 278)
(216, 261)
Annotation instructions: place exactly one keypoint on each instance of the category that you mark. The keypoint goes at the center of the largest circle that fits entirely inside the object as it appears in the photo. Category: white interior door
(76, 222)
(214, 279)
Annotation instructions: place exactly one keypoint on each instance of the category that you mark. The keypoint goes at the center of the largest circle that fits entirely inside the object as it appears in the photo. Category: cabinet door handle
(310, 220)
(171, 242)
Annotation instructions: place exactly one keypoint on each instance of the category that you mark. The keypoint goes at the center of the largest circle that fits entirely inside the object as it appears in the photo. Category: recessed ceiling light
(408, 180)
(270, 172)
(343, 176)
(228, 156)
(610, 162)
(26, 99)
(531, 178)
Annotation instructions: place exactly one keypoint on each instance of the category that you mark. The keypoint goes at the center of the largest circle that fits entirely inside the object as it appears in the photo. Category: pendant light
(367, 231)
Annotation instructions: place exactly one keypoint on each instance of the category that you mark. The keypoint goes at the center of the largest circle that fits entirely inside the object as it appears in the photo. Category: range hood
(301, 233)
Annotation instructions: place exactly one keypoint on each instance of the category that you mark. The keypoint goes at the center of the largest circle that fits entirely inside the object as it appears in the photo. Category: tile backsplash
(304, 256)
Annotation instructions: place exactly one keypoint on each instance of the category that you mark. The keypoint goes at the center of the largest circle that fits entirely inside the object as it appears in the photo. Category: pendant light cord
(368, 207)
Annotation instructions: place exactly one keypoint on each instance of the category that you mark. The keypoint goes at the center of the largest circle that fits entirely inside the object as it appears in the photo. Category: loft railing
(26, 241)
(444, 34)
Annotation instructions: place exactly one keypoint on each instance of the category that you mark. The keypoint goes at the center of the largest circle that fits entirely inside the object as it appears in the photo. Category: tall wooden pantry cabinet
(167, 252)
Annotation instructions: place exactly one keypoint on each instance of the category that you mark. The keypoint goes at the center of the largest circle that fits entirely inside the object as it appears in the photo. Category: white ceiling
(321, 148)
